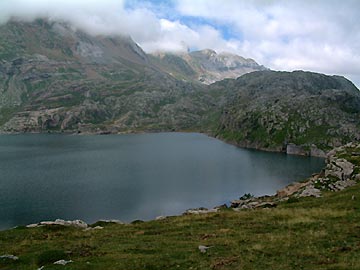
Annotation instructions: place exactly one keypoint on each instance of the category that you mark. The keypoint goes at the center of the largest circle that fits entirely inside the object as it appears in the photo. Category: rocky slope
(342, 170)
(205, 66)
(298, 112)
(55, 78)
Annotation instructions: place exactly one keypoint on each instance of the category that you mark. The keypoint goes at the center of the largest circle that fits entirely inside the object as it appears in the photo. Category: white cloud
(317, 35)
(107, 17)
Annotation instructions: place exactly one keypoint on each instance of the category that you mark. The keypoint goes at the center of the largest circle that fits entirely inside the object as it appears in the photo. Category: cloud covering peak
(317, 35)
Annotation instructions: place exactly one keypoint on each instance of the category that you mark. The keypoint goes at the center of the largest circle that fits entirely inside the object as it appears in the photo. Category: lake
(128, 177)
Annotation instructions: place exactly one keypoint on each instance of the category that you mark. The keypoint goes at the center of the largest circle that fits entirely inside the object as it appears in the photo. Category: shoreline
(288, 149)
(312, 186)
(337, 174)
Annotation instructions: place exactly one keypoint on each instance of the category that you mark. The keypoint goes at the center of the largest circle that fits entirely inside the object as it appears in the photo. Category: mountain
(283, 110)
(53, 77)
(205, 66)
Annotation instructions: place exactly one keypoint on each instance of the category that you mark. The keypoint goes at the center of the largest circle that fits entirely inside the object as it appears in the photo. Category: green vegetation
(51, 256)
(308, 233)
(6, 114)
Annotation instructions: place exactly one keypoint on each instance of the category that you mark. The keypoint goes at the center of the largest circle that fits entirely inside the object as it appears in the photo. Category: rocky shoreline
(342, 170)
(289, 149)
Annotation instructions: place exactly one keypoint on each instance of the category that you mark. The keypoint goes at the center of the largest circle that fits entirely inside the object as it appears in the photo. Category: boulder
(293, 149)
(316, 152)
(9, 256)
(201, 211)
(112, 221)
(74, 223)
(340, 185)
(94, 228)
(339, 168)
(310, 191)
(62, 262)
(203, 249)
(239, 203)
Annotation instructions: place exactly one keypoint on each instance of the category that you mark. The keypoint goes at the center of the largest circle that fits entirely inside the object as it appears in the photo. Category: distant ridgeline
(55, 79)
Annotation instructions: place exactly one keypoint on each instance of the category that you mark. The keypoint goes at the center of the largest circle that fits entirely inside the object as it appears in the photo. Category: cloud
(106, 17)
(142, 20)
(317, 35)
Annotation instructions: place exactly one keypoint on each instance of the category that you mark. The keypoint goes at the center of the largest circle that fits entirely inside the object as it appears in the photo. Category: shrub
(246, 196)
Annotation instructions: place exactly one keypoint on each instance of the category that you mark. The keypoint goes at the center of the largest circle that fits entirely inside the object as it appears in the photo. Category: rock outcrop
(298, 112)
(206, 66)
(341, 171)
(60, 222)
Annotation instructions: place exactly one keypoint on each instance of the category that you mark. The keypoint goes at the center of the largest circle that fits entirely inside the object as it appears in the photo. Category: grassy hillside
(299, 233)
(312, 233)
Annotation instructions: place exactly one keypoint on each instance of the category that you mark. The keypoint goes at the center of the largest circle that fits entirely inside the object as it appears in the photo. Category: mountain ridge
(206, 66)
(56, 79)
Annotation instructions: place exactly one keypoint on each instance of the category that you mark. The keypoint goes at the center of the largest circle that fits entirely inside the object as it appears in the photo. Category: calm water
(128, 177)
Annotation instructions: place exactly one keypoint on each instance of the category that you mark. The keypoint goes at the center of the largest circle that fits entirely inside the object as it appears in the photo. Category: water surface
(128, 177)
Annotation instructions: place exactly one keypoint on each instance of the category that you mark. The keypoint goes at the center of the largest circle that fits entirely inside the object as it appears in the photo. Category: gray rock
(239, 203)
(340, 185)
(32, 225)
(310, 191)
(201, 211)
(9, 256)
(292, 149)
(95, 228)
(74, 223)
(203, 249)
(339, 168)
(63, 262)
(316, 152)
(112, 221)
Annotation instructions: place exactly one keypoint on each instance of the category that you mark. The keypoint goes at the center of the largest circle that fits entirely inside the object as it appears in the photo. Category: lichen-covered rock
(340, 185)
(310, 191)
(339, 168)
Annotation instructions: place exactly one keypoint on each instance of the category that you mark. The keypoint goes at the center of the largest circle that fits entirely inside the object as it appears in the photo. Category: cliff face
(296, 112)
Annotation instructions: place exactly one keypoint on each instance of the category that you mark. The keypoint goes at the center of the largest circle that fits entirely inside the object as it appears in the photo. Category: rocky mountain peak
(206, 65)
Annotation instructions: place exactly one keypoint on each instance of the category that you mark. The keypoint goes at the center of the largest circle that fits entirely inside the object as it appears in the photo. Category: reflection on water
(127, 177)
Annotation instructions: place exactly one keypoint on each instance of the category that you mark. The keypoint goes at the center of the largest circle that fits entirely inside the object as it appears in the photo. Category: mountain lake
(135, 176)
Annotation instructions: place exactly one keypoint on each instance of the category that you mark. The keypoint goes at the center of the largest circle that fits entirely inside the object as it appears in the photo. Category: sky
(315, 35)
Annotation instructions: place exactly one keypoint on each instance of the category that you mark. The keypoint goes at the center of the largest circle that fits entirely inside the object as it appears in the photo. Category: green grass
(306, 234)
(6, 113)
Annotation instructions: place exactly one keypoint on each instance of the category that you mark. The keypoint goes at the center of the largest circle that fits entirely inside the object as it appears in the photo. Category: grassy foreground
(313, 233)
